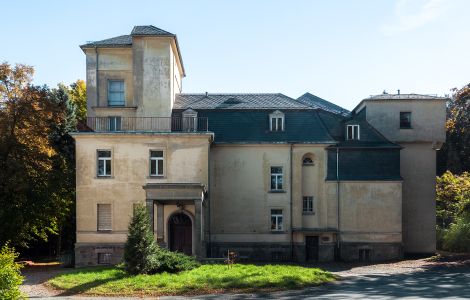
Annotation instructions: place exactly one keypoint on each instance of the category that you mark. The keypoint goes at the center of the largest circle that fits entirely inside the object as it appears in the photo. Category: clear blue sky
(342, 51)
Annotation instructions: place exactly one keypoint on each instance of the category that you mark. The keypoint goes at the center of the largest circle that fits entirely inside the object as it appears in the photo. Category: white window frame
(104, 160)
(279, 226)
(123, 91)
(279, 179)
(355, 128)
(276, 115)
(156, 159)
(309, 206)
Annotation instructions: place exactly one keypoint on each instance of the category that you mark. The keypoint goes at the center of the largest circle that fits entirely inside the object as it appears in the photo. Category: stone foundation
(89, 254)
(370, 251)
(254, 251)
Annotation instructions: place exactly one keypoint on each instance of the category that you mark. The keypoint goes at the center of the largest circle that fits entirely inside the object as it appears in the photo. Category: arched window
(307, 161)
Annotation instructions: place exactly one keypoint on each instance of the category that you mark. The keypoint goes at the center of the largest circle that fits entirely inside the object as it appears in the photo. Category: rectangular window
(405, 120)
(277, 123)
(104, 163)
(116, 93)
(114, 123)
(352, 132)
(156, 163)
(276, 178)
(308, 204)
(104, 258)
(276, 220)
(104, 217)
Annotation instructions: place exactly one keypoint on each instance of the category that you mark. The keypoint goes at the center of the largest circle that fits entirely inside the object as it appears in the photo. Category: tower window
(405, 120)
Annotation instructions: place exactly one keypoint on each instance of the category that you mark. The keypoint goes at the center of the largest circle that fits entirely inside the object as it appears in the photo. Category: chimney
(398, 91)
(207, 94)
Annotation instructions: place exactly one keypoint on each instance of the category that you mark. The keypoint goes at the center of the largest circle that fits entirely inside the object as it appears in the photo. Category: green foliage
(457, 237)
(457, 147)
(204, 279)
(140, 248)
(143, 256)
(10, 276)
(36, 157)
(453, 211)
(452, 196)
(77, 92)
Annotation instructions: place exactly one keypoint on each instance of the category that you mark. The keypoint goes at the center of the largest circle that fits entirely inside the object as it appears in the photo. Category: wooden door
(311, 245)
(181, 234)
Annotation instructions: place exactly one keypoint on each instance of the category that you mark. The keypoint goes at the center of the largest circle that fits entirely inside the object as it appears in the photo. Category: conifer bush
(10, 276)
(143, 256)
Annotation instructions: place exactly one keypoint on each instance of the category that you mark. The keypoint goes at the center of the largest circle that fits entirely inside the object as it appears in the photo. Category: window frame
(278, 182)
(277, 216)
(277, 115)
(117, 123)
(310, 202)
(123, 91)
(311, 163)
(156, 159)
(355, 127)
(409, 123)
(98, 229)
(104, 159)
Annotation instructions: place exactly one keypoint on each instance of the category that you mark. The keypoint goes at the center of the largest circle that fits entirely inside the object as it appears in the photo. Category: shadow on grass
(85, 287)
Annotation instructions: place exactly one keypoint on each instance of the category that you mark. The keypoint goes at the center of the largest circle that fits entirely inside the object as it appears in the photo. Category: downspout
(209, 196)
(338, 202)
(290, 210)
(97, 79)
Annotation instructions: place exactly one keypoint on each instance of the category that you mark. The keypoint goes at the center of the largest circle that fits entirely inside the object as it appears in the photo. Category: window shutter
(104, 217)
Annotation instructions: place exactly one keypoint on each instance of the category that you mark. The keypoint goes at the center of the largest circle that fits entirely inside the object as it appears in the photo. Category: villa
(271, 177)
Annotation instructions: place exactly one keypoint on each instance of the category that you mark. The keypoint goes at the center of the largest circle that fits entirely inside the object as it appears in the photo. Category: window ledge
(156, 177)
(104, 177)
(278, 232)
(104, 231)
(406, 127)
(277, 191)
(308, 213)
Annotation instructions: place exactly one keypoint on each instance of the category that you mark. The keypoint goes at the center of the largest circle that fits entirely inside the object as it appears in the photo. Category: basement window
(104, 258)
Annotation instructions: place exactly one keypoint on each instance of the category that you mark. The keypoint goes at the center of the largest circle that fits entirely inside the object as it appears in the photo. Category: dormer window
(352, 132)
(189, 120)
(276, 121)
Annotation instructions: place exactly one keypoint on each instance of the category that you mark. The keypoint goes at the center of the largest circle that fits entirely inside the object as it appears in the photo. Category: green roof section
(252, 126)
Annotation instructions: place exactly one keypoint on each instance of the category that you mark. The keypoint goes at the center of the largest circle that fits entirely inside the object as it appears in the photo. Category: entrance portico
(176, 211)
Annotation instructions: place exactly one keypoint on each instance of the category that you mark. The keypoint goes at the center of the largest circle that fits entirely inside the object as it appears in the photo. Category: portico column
(149, 205)
(160, 225)
(198, 228)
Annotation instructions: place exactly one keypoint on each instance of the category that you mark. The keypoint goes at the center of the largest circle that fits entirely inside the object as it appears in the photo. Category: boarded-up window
(104, 217)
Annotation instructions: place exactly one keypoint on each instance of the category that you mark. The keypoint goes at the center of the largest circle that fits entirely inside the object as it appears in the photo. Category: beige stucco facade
(217, 196)
(417, 161)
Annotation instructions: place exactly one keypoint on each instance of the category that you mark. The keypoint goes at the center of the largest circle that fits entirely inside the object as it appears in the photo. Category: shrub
(143, 256)
(457, 237)
(10, 276)
(140, 245)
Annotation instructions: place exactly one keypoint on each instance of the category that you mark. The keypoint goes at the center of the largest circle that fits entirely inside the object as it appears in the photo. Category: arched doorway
(180, 233)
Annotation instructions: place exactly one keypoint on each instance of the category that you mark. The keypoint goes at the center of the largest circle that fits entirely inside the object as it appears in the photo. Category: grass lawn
(205, 279)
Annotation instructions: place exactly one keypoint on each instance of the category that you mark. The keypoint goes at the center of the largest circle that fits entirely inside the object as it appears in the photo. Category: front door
(180, 233)
(311, 245)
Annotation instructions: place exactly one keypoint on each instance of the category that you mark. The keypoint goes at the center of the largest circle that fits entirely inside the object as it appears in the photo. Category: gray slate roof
(404, 97)
(237, 101)
(149, 30)
(126, 40)
(317, 102)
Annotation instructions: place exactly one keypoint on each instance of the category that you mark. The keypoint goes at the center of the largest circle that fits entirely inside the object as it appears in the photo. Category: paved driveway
(411, 279)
